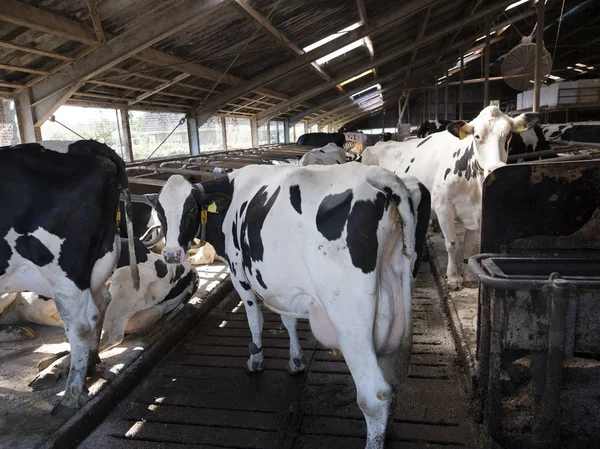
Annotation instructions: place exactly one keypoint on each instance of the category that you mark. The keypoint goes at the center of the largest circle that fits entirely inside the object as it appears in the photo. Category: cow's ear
(152, 198)
(460, 129)
(525, 121)
(217, 202)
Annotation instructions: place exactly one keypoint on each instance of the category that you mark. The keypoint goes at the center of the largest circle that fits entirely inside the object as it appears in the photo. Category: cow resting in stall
(338, 245)
(58, 238)
(163, 287)
(452, 165)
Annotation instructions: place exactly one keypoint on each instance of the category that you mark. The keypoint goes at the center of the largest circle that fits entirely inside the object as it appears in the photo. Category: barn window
(150, 129)
(210, 135)
(263, 134)
(273, 132)
(299, 130)
(238, 132)
(9, 128)
(313, 129)
(100, 124)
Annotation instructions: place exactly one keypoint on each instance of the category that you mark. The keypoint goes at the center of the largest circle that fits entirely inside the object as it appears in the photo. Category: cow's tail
(124, 183)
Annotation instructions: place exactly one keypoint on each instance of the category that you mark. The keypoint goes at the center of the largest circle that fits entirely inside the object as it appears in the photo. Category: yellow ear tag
(461, 134)
(212, 208)
(203, 217)
(118, 219)
(520, 129)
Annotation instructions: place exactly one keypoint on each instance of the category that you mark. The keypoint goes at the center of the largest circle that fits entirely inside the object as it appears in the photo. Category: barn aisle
(200, 396)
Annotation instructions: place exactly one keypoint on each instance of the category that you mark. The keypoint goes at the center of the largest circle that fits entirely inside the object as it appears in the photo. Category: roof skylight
(331, 37)
(366, 89)
(340, 51)
(354, 78)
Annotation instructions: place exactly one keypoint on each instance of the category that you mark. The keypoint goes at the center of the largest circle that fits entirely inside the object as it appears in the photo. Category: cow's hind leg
(77, 311)
(446, 218)
(101, 300)
(255, 322)
(471, 248)
(297, 361)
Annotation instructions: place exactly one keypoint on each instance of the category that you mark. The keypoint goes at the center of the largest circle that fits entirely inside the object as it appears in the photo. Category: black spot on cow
(412, 160)
(235, 235)
(5, 255)
(411, 206)
(243, 207)
(245, 285)
(250, 238)
(259, 279)
(321, 151)
(231, 265)
(393, 195)
(295, 198)
(161, 268)
(337, 162)
(333, 213)
(422, 142)
(44, 298)
(32, 249)
(250, 303)
(363, 222)
(141, 253)
(181, 284)
(178, 272)
(407, 168)
(423, 212)
(448, 170)
(467, 164)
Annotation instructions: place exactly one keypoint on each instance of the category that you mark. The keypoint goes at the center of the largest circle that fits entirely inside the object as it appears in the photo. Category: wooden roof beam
(160, 88)
(275, 34)
(96, 21)
(18, 13)
(364, 20)
(35, 51)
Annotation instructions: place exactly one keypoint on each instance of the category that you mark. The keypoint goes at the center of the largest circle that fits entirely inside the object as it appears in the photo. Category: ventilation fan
(519, 65)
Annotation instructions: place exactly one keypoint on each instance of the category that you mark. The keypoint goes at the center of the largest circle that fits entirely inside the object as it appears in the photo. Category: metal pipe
(446, 97)
(462, 78)
(435, 114)
(539, 46)
(147, 181)
(177, 171)
(486, 84)
(548, 428)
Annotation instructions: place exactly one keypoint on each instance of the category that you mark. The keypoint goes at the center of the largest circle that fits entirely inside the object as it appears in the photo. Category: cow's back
(71, 195)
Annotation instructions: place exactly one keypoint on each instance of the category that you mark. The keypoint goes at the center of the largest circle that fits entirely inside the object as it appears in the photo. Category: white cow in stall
(335, 244)
(163, 287)
(330, 154)
(452, 165)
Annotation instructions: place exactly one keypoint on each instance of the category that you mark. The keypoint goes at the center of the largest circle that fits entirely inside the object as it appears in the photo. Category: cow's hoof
(45, 363)
(254, 366)
(297, 365)
(62, 411)
(455, 283)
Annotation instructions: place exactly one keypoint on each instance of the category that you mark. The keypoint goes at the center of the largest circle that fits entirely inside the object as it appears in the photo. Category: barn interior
(202, 88)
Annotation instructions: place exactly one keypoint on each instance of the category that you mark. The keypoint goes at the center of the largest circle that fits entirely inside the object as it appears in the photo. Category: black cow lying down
(58, 237)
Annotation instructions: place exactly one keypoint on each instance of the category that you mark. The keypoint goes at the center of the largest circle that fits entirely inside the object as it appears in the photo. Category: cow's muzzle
(173, 255)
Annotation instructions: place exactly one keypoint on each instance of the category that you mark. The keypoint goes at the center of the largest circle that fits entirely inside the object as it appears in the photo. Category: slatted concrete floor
(199, 395)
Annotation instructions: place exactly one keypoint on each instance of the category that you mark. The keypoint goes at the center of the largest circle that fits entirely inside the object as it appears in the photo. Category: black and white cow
(335, 244)
(163, 287)
(58, 237)
(432, 126)
(330, 154)
(452, 165)
(528, 141)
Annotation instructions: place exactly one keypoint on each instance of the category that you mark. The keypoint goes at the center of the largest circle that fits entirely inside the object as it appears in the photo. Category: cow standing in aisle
(334, 244)
(452, 165)
(58, 238)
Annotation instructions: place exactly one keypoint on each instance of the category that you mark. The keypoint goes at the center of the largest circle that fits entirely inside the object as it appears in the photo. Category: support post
(254, 132)
(486, 84)
(446, 97)
(193, 134)
(25, 117)
(435, 115)
(224, 133)
(286, 131)
(305, 127)
(539, 45)
(127, 143)
(428, 103)
(462, 79)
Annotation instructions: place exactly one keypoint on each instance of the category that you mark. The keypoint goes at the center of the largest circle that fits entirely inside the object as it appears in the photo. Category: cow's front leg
(297, 361)
(471, 248)
(255, 322)
(446, 219)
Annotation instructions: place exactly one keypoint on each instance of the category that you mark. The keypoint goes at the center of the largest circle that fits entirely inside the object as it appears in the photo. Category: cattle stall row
(362, 224)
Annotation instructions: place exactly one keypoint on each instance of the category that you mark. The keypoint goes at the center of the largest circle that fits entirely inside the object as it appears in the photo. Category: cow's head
(179, 205)
(490, 132)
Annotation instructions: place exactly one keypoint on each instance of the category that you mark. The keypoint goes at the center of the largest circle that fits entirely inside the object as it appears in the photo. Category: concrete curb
(72, 432)
(466, 358)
